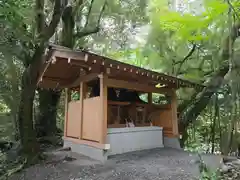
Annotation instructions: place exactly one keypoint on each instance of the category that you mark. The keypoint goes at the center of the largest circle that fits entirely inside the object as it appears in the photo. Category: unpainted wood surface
(73, 123)
(91, 126)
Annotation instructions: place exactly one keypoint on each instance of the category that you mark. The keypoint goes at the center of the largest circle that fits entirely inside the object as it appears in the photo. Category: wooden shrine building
(109, 106)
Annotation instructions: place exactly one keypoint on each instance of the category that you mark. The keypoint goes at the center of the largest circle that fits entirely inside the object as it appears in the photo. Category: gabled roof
(63, 66)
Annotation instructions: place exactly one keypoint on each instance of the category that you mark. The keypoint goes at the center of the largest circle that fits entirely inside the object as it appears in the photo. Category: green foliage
(6, 127)
(170, 41)
(75, 95)
(195, 28)
(206, 173)
(16, 17)
(211, 175)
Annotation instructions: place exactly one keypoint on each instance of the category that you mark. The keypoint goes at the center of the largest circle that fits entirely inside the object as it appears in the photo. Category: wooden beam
(83, 93)
(85, 78)
(88, 77)
(42, 73)
(136, 86)
(131, 76)
(92, 58)
(67, 100)
(104, 104)
(174, 114)
(124, 67)
(149, 98)
(78, 63)
(55, 79)
(68, 53)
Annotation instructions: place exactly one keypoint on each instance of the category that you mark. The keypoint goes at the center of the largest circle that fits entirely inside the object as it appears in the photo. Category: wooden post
(149, 98)
(148, 109)
(103, 105)
(174, 114)
(67, 100)
(83, 91)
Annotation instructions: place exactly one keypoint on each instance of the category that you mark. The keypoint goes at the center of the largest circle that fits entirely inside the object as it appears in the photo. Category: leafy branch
(190, 53)
(57, 12)
(86, 30)
(77, 6)
(233, 9)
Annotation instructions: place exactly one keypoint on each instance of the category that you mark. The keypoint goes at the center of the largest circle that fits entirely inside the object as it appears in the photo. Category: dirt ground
(162, 164)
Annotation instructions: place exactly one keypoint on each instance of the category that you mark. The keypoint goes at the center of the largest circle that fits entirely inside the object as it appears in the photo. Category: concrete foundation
(86, 150)
(121, 140)
(172, 142)
(129, 139)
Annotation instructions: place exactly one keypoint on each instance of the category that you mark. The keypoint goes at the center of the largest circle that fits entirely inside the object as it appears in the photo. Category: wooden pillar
(67, 100)
(83, 93)
(149, 98)
(174, 114)
(103, 106)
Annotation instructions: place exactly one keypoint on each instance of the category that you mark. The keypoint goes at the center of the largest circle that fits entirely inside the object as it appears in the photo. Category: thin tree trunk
(229, 139)
(214, 123)
(184, 133)
(210, 133)
(220, 132)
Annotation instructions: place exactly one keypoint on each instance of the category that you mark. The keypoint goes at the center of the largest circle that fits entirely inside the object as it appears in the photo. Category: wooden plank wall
(91, 125)
(73, 123)
(167, 118)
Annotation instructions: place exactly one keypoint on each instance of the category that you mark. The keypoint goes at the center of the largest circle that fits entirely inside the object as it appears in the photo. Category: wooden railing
(160, 106)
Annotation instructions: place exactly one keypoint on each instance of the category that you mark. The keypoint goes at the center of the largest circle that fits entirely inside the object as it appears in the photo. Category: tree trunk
(46, 124)
(30, 147)
(191, 112)
(201, 102)
(49, 99)
(68, 39)
(183, 130)
(213, 128)
(29, 143)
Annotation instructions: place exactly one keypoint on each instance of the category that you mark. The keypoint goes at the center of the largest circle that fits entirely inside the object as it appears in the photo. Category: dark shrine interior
(120, 95)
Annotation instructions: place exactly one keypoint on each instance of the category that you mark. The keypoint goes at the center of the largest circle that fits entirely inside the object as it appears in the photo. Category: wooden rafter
(93, 63)
(136, 86)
